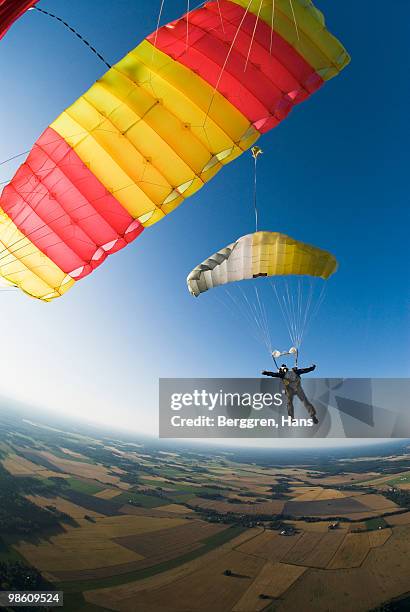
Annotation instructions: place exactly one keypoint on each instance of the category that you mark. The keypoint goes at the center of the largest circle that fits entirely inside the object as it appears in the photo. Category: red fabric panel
(266, 87)
(56, 201)
(11, 10)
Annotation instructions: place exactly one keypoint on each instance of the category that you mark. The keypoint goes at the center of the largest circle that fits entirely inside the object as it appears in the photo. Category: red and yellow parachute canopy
(10, 11)
(192, 97)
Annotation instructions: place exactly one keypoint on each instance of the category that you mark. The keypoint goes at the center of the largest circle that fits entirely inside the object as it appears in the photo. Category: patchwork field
(19, 466)
(63, 505)
(203, 590)
(399, 519)
(356, 507)
(270, 545)
(315, 549)
(382, 576)
(127, 526)
(268, 508)
(92, 546)
(272, 581)
(352, 552)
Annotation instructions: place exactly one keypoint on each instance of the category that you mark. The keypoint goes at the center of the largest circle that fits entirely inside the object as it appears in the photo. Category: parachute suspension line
(292, 309)
(228, 55)
(264, 320)
(13, 158)
(299, 301)
(272, 26)
(161, 9)
(255, 314)
(253, 35)
(67, 25)
(187, 26)
(255, 201)
(256, 151)
(243, 308)
(308, 306)
(282, 309)
(299, 305)
(294, 19)
(318, 305)
(220, 16)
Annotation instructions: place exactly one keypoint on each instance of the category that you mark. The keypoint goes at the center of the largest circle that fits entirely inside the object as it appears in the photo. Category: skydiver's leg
(309, 407)
(289, 397)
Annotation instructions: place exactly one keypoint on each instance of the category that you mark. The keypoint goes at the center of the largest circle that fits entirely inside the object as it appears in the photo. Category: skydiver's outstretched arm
(272, 374)
(305, 370)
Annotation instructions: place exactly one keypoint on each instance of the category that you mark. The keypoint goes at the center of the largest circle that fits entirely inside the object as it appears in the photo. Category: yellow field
(352, 552)
(273, 580)
(91, 545)
(114, 597)
(19, 466)
(270, 545)
(202, 591)
(305, 493)
(67, 451)
(270, 508)
(85, 470)
(315, 549)
(383, 575)
(340, 479)
(153, 479)
(108, 493)
(65, 553)
(250, 480)
(379, 537)
(176, 508)
(317, 493)
(73, 510)
(378, 502)
(399, 519)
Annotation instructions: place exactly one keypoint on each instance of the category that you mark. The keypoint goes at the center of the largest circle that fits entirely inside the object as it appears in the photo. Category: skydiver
(293, 386)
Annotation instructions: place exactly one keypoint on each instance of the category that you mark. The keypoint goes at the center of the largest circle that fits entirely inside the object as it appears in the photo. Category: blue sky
(334, 174)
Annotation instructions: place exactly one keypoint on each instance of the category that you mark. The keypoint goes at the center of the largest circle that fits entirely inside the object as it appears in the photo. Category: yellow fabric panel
(304, 28)
(160, 137)
(212, 118)
(153, 132)
(109, 156)
(277, 254)
(260, 254)
(23, 265)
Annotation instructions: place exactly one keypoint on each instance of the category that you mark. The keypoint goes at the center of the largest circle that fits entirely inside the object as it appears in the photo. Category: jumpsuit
(293, 386)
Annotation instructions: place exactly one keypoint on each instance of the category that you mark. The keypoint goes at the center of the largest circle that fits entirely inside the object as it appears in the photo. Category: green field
(400, 480)
(403, 478)
(146, 501)
(83, 486)
(375, 523)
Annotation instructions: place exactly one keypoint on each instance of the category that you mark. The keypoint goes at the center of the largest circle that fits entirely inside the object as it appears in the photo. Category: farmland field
(123, 525)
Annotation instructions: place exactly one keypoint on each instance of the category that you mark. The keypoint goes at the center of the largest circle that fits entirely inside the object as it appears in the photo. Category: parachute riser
(292, 351)
(256, 151)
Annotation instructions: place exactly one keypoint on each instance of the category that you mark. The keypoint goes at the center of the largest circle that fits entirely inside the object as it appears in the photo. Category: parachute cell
(153, 130)
(261, 254)
(10, 11)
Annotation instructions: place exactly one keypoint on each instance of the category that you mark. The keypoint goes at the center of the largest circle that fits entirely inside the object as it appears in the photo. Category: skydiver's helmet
(283, 368)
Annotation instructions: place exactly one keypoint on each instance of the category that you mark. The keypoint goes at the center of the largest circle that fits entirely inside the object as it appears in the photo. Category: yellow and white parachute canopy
(296, 273)
(261, 254)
